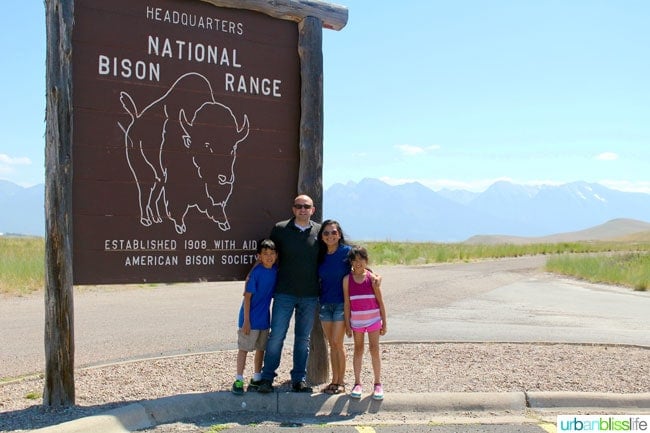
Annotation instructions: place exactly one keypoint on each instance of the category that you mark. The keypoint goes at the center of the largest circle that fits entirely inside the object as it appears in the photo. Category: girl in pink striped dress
(364, 313)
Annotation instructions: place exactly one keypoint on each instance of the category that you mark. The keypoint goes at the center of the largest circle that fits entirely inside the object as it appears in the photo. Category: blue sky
(451, 94)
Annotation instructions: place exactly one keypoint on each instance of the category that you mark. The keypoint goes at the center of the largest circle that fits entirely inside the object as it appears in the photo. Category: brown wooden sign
(215, 89)
(186, 121)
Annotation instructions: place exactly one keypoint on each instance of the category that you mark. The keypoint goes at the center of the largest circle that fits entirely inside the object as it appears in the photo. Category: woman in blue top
(333, 265)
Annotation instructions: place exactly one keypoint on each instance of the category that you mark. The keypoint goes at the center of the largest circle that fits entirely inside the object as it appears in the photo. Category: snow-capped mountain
(373, 210)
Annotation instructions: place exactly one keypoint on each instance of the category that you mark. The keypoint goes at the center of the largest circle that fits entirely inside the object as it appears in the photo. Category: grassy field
(22, 264)
(413, 253)
(621, 263)
(625, 269)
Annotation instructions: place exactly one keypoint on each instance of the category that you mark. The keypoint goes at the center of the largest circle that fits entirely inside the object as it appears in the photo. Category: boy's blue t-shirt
(261, 284)
(331, 272)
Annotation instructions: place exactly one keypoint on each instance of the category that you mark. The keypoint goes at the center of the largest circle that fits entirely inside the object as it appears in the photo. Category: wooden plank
(118, 186)
(59, 313)
(332, 16)
(310, 173)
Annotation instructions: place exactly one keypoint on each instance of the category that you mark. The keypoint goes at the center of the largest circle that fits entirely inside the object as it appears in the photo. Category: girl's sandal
(330, 389)
(339, 389)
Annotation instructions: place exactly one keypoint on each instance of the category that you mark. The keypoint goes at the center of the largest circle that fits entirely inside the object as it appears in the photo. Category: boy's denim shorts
(331, 313)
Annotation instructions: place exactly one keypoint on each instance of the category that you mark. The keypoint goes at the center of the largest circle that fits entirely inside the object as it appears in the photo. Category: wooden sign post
(123, 74)
(59, 312)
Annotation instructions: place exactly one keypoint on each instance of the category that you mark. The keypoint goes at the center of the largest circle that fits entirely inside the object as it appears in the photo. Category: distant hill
(373, 210)
(22, 209)
(620, 229)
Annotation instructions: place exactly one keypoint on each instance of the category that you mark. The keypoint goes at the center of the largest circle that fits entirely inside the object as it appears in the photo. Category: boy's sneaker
(265, 386)
(378, 394)
(254, 385)
(301, 387)
(238, 387)
(356, 391)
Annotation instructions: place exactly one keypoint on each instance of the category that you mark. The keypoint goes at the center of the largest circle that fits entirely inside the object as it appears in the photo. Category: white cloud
(477, 185)
(8, 160)
(410, 150)
(8, 165)
(607, 156)
(627, 186)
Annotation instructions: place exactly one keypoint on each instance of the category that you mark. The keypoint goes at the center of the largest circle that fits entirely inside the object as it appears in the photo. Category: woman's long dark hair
(322, 247)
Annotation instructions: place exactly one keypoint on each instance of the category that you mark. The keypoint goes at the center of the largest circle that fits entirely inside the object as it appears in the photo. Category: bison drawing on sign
(181, 149)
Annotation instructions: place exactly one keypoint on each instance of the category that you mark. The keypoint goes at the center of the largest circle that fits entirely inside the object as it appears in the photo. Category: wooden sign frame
(311, 16)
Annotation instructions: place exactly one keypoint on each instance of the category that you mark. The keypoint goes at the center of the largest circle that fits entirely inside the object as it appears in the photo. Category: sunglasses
(333, 232)
(302, 206)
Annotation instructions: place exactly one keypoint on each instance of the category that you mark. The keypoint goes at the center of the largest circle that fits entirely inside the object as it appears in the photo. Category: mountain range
(22, 210)
(374, 210)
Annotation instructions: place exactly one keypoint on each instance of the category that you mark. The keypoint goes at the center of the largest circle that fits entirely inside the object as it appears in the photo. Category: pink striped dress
(364, 308)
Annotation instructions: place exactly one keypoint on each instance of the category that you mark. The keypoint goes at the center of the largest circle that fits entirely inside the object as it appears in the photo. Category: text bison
(181, 149)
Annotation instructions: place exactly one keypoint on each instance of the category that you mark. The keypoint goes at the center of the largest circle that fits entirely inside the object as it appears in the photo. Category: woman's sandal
(339, 389)
(330, 389)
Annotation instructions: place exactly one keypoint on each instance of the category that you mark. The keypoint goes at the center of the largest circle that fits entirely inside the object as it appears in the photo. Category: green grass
(218, 427)
(619, 263)
(625, 269)
(33, 395)
(22, 268)
(22, 264)
(418, 253)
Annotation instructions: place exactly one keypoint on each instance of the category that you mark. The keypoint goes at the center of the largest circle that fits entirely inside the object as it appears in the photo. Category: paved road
(512, 300)
(502, 300)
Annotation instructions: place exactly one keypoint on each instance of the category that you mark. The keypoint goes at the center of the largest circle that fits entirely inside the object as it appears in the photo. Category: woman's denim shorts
(331, 313)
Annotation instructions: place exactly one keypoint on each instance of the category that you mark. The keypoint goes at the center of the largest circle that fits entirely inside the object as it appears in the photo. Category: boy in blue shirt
(255, 315)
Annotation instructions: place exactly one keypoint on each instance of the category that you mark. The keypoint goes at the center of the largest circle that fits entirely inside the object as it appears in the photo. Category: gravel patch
(406, 367)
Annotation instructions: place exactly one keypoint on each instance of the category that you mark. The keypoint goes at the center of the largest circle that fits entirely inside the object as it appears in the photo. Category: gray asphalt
(507, 300)
(536, 308)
